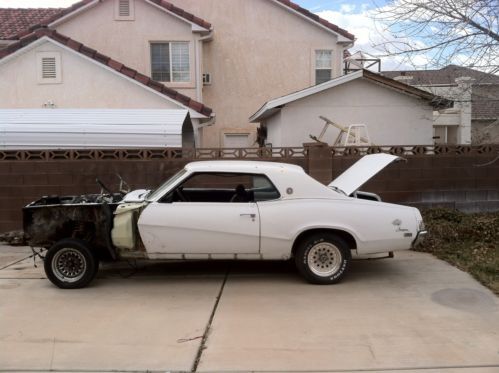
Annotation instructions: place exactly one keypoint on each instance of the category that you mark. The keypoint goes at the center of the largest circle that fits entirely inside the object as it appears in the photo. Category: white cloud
(361, 24)
(36, 3)
(347, 8)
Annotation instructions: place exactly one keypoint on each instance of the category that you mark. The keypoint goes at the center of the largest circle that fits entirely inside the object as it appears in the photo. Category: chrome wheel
(324, 259)
(69, 265)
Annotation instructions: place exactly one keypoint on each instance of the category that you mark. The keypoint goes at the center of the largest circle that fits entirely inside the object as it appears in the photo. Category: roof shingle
(485, 101)
(107, 61)
(316, 18)
(446, 75)
(14, 21)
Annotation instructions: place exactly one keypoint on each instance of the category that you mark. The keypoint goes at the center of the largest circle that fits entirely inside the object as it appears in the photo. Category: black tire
(70, 264)
(323, 258)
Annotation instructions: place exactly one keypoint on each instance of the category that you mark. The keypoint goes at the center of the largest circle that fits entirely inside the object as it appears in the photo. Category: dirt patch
(467, 241)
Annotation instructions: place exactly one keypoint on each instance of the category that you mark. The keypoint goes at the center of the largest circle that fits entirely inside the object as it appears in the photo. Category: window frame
(171, 72)
(118, 17)
(331, 67)
(166, 197)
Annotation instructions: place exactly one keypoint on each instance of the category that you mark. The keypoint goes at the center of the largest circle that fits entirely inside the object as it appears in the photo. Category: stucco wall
(128, 41)
(259, 51)
(391, 117)
(84, 85)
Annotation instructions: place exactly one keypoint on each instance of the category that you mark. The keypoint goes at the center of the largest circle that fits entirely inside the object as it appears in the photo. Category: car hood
(361, 171)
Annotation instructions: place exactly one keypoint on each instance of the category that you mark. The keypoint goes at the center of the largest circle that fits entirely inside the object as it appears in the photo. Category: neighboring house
(219, 59)
(394, 113)
(475, 115)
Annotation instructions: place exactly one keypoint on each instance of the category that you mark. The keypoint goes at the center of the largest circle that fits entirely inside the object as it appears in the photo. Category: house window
(170, 62)
(49, 67)
(124, 10)
(323, 65)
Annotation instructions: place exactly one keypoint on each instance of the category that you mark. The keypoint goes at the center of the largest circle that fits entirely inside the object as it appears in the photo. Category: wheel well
(347, 237)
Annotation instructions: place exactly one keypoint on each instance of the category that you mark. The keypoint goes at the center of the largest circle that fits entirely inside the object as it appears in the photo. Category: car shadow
(360, 270)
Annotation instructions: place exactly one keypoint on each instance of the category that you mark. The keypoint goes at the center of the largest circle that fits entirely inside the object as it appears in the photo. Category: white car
(241, 210)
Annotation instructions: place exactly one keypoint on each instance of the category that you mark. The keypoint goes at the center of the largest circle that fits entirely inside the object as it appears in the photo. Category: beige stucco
(129, 41)
(85, 84)
(259, 51)
(392, 118)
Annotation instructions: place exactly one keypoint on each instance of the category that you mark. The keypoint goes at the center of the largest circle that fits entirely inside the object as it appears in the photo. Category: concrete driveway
(412, 313)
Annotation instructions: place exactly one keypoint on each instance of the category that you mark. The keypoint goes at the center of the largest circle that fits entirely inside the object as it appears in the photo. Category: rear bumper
(419, 238)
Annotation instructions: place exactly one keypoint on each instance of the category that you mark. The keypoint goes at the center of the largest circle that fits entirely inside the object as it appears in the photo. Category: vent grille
(124, 8)
(49, 68)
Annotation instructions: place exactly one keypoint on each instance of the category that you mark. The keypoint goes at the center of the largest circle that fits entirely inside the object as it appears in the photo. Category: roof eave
(46, 38)
(194, 26)
(341, 38)
(70, 15)
(281, 101)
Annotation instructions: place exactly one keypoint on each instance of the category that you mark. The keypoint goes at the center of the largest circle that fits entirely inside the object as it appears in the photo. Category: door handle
(252, 216)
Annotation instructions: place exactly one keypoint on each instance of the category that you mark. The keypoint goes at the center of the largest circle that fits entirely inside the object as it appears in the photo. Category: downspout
(199, 73)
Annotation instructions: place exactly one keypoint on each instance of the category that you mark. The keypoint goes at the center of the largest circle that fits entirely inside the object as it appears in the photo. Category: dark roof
(437, 102)
(446, 75)
(14, 21)
(38, 18)
(485, 101)
(316, 18)
(107, 61)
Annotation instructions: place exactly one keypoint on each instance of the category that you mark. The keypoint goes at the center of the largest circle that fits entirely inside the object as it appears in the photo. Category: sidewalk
(411, 313)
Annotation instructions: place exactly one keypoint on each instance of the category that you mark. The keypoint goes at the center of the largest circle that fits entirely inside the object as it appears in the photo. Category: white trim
(43, 39)
(131, 9)
(281, 101)
(194, 26)
(21, 51)
(341, 38)
(58, 21)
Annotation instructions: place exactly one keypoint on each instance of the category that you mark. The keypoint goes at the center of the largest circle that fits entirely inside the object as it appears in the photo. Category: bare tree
(437, 33)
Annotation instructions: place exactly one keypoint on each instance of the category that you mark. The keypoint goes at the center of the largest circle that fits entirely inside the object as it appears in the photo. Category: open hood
(361, 171)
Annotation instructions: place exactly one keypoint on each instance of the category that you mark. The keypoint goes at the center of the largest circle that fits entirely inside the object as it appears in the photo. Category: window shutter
(49, 70)
(124, 8)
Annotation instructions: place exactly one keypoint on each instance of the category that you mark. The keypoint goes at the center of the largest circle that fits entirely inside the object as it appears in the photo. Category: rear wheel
(70, 264)
(323, 258)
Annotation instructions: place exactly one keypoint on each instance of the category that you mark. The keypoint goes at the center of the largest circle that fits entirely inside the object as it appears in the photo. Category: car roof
(242, 166)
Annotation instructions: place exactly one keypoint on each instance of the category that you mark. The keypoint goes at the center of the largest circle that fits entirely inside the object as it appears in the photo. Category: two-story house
(219, 59)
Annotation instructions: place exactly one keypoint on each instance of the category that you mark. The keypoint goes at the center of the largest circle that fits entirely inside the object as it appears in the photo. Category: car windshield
(165, 186)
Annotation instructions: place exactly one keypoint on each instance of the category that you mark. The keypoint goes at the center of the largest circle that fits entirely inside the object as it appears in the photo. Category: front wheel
(323, 258)
(70, 264)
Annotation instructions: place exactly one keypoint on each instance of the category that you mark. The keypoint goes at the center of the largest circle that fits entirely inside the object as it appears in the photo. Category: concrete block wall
(428, 178)
(452, 181)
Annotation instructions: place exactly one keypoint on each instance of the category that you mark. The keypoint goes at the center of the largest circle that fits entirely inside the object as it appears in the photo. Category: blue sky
(320, 5)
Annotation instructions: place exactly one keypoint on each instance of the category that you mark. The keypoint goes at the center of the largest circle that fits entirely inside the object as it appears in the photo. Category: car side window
(223, 187)
(263, 189)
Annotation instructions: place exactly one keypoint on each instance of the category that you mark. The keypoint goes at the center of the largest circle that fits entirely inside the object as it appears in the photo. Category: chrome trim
(419, 238)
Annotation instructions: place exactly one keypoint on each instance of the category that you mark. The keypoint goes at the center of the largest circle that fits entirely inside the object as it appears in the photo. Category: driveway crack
(202, 345)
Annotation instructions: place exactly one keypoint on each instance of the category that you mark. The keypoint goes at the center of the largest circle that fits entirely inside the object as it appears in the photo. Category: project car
(212, 210)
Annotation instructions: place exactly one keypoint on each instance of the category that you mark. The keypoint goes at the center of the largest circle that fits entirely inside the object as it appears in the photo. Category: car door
(202, 216)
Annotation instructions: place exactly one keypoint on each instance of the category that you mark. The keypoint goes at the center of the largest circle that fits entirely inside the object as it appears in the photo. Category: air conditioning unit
(207, 79)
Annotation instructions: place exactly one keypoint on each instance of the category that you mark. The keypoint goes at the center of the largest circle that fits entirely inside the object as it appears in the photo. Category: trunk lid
(361, 171)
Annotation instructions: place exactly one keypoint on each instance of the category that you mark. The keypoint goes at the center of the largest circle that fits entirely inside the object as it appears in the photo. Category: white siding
(87, 128)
